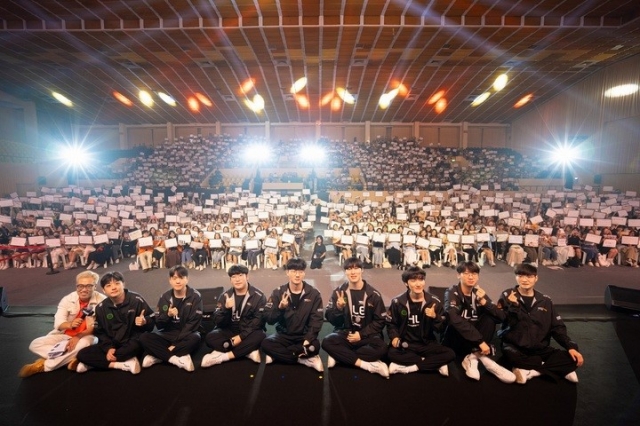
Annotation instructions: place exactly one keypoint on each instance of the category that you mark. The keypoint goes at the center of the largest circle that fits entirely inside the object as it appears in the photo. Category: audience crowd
(464, 204)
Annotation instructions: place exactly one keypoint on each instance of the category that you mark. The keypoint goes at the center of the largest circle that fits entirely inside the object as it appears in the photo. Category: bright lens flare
(167, 99)
(300, 84)
(62, 99)
(565, 154)
(74, 155)
(122, 98)
(480, 99)
(258, 101)
(145, 98)
(501, 82)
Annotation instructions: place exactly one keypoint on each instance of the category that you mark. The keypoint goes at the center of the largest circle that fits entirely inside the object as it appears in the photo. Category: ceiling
(86, 49)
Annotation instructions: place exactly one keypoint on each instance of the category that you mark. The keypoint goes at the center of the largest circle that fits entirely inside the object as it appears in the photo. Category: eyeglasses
(84, 286)
(470, 274)
(526, 276)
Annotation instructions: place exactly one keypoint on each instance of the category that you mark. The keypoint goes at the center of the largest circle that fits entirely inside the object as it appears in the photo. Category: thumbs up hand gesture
(431, 311)
(229, 302)
(140, 320)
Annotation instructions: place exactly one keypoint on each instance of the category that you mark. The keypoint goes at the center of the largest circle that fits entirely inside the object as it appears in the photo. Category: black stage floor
(241, 392)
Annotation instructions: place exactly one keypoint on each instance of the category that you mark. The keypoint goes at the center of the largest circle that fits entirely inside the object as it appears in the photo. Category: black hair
(296, 265)
(412, 273)
(525, 269)
(352, 262)
(238, 269)
(110, 277)
(468, 267)
(179, 270)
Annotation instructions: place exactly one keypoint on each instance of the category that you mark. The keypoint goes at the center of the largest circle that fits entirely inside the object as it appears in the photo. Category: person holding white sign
(607, 248)
(630, 248)
(145, 251)
(72, 328)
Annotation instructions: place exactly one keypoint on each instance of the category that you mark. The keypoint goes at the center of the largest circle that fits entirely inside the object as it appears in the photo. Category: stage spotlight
(622, 90)
(347, 97)
(336, 104)
(193, 104)
(146, 98)
(523, 100)
(480, 99)
(565, 154)
(500, 82)
(62, 99)
(441, 105)
(204, 100)
(326, 99)
(122, 98)
(74, 156)
(436, 97)
(303, 101)
(247, 86)
(299, 85)
(258, 154)
(311, 154)
(167, 99)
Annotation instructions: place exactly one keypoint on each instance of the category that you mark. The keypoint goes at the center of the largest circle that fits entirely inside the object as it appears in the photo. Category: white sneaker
(523, 375)
(213, 358)
(268, 359)
(314, 362)
(150, 360)
(444, 370)
(183, 362)
(331, 362)
(504, 375)
(131, 365)
(402, 369)
(377, 367)
(82, 368)
(470, 365)
(572, 377)
(254, 356)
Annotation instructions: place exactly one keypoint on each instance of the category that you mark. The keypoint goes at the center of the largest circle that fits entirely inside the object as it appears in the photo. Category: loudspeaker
(3, 301)
(622, 299)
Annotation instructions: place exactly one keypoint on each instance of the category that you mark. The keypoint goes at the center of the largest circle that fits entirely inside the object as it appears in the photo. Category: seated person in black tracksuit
(239, 322)
(296, 310)
(471, 324)
(120, 320)
(531, 321)
(178, 318)
(357, 312)
(414, 317)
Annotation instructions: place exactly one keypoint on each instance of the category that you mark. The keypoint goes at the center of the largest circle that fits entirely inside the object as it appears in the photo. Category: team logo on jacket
(403, 312)
(109, 316)
(165, 308)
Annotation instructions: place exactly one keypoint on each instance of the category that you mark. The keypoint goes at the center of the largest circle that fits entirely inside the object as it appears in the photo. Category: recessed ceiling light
(480, 99)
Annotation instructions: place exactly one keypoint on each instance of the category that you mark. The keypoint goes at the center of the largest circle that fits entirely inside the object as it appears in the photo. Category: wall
(607, 130)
